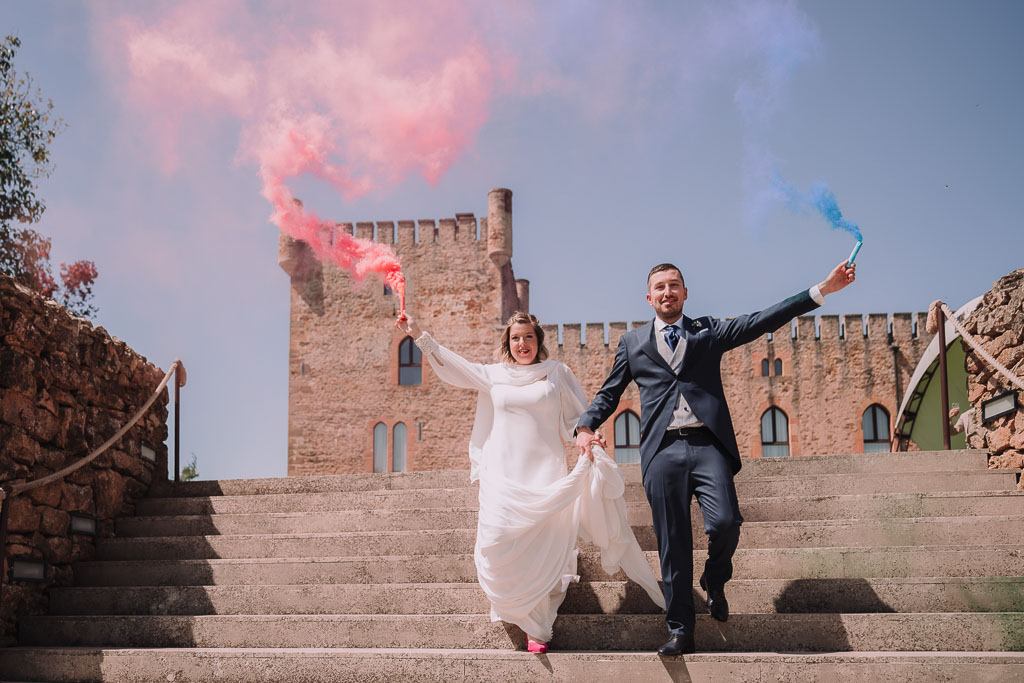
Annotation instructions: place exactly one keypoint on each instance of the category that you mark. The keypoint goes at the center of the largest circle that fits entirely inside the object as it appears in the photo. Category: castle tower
(345, 371)
(499, 244)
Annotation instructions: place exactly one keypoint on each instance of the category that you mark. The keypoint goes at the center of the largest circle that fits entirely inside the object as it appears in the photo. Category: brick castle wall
(343, 363)
(343, 367)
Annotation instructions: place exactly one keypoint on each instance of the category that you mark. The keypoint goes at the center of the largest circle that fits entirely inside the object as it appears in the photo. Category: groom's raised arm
(747, 328)
(607, 397)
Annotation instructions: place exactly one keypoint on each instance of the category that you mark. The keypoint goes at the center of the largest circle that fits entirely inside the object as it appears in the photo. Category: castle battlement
(463, 228)
(894, 328)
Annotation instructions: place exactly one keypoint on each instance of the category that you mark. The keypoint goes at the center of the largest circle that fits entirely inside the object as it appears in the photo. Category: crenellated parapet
(463, 229)
(889, 328)
(822, 371)
(463, 232)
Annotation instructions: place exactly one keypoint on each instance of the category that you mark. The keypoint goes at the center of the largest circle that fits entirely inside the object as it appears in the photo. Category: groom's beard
(672, 312)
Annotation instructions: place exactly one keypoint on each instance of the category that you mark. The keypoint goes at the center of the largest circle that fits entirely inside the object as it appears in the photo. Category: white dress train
(532, 509)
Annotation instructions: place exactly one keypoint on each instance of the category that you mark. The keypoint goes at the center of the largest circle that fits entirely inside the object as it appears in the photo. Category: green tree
(189, 471)
(27, 128)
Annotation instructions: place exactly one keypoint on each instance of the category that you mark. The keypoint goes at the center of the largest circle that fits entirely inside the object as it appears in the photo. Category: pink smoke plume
(298, 152)
(359, 95)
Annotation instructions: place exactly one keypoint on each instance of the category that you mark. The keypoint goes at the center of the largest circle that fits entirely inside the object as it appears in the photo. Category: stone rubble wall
(998, 323)
(65, 388)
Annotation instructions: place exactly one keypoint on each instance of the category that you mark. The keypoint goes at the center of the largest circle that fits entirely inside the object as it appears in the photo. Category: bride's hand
(406, 324)
(585, 439)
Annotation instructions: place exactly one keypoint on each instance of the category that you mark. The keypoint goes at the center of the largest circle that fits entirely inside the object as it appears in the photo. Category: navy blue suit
(674, 468)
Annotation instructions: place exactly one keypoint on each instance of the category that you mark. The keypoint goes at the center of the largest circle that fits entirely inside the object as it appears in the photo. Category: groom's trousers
(687, 465)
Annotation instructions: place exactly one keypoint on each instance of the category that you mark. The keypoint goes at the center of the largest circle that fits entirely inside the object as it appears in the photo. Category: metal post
(894, 441)
(177, 423)
(5, 511)
(943, 379)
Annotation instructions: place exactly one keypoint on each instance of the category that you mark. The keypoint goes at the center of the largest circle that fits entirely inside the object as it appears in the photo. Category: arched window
(410, 363)
(764, 368)
(875, 424)
(627, 437)
(380, 447)
(398, 458)
(774, 434)
(778, 367)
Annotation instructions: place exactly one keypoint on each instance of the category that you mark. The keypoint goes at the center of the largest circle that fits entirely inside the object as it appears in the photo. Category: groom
(687, 444)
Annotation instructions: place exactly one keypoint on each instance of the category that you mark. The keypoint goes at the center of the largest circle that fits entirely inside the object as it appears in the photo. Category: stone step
(885, 506)
(790, 534)
(993, 631)
(768, 563)
(921, 461)
(272, 665)
(755, 596)
(856, 463)
(862, 506)
(466, 496)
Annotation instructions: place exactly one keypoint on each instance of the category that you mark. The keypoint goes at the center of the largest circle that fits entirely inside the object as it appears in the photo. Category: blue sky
(630, 133)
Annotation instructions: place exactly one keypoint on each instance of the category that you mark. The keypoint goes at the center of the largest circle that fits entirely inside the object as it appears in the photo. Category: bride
(532, 509)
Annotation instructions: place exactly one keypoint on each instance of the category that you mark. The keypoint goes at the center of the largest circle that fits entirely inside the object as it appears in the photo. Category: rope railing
(938, 314)
(976, 345)
(60, 474)
(176, 370)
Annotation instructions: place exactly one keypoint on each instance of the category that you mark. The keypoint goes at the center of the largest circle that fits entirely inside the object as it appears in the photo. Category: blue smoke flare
(820, 199)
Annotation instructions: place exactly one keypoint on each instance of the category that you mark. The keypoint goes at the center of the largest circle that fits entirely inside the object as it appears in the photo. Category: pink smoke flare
(298, 152)
(360, 95)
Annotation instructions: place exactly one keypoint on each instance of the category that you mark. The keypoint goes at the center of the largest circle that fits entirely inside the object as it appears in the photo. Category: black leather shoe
(716, 602)
(678, 645)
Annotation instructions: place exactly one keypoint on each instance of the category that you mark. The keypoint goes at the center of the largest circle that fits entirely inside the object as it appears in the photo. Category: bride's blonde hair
(504, 352)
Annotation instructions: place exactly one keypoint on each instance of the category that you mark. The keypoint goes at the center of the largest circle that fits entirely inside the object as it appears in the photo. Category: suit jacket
(699, 377)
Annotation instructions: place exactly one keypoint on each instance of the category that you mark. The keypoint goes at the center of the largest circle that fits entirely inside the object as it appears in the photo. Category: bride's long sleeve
(453, 368)
(573, 401)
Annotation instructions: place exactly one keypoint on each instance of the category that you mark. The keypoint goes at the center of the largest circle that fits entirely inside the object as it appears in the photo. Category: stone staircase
(904, 566)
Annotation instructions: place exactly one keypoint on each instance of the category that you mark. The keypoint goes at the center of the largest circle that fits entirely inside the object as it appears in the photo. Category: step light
(148, 453)
(998, 406)
(82, 524)
(28, 569)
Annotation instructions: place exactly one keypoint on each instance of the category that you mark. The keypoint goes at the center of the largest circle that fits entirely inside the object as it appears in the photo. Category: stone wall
(998, 323)
(344, 354)
(833, 369)
(65, 388)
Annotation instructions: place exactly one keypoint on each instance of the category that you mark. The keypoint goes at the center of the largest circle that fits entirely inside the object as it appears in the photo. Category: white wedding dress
(532, 509)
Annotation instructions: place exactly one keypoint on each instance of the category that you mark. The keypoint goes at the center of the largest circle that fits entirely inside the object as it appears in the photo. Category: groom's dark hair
(664, 266)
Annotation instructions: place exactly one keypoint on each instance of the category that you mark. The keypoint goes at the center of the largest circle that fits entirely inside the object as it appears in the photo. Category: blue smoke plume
(819, 198)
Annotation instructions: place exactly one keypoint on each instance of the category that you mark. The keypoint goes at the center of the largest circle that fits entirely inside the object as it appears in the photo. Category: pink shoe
(536, 648)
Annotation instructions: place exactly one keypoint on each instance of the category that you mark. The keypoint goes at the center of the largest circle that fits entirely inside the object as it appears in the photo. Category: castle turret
(499, 226)
(499, 247)
(523, 290)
